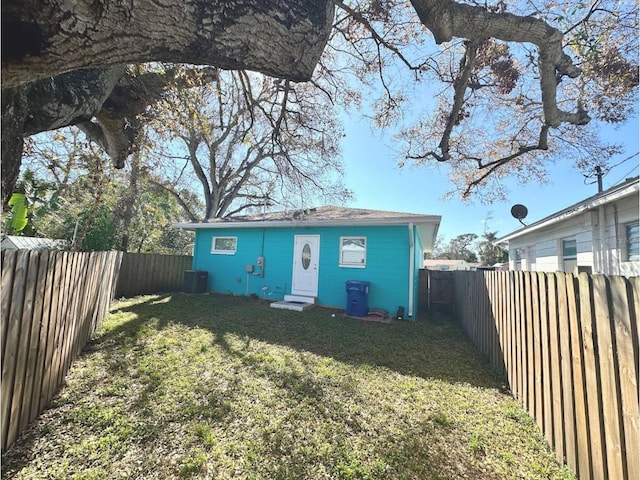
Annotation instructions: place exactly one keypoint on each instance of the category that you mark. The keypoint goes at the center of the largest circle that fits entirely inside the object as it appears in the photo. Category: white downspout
(595, 240)
(604, 254)
(616, 226)
(411, 267)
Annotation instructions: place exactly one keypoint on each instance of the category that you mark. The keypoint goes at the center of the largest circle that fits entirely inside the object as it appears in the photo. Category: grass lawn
(221, 387)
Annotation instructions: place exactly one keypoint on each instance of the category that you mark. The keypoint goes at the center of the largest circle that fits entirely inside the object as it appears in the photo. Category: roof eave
(423, 219)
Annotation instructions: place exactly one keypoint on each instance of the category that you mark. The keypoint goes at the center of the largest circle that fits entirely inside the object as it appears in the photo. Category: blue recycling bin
(357, 298)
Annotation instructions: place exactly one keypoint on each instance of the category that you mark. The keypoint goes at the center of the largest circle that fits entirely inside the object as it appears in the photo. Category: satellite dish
(519, 212)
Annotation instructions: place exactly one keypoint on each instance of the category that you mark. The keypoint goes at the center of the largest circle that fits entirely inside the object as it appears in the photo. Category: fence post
(11, 351)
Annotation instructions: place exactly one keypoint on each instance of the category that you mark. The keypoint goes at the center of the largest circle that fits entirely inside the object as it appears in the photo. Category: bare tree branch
(492, 166)
(460, 87)
(447, 19)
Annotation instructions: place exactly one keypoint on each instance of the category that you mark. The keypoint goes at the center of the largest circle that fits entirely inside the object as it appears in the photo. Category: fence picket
(36, 404)
(626, 310)
(555, 378)
(90, 281)
(13, 337)
(48, 382)
(530, 347)
(8, 267)
(545, 351)
(515, 314)
(66, 317)
(39, 323)
(537, 352)
(71, 302)
(566, 361)
(60, 320)
(22, 354)
(31, 313)
(609, 376)
(580, 396)
(592, 380)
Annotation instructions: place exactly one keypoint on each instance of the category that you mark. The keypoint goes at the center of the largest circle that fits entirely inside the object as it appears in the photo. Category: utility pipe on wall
(616, 227)
(604, 253)
(412, 260)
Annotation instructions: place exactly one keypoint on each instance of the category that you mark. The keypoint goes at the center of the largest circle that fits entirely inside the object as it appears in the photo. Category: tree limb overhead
(44, 38)
(447, 19)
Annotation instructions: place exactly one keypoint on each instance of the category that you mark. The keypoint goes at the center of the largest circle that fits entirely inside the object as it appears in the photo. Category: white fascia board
(572, 211)
(426, 219)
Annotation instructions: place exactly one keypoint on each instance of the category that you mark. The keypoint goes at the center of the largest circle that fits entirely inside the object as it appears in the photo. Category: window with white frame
(518, 258)
(632, 237)
(224, 245)
(353, 252)
(569, 255)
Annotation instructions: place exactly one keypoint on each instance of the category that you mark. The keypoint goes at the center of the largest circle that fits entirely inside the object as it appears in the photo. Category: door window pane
(306, 256)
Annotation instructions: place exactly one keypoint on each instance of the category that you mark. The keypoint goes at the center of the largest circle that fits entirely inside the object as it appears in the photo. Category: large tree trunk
(43, 38)
(14, 111)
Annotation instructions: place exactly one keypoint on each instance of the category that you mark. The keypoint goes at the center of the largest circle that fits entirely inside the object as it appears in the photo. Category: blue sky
(371, 172)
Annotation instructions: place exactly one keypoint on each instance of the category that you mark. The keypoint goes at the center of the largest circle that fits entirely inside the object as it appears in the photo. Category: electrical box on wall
(260, 265)
(248, 268)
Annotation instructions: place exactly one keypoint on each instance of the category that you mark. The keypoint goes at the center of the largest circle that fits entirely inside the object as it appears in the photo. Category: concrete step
(299, 299)
(290, 305)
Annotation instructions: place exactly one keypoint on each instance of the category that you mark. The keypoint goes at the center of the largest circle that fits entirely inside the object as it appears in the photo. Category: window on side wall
(224, 245)
(569, 255)
(632, 236)
(353, 252)
(518, 258)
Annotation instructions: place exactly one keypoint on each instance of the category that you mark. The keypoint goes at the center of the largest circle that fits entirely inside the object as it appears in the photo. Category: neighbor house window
(632, 234)
(224, 245)
(518, 258)
(569, 255)
(353, 252)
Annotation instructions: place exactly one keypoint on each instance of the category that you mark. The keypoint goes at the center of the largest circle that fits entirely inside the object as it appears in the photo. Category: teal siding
(387, 263)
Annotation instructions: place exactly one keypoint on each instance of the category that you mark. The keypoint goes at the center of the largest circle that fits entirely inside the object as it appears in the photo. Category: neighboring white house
(439, 264)
(598, 235)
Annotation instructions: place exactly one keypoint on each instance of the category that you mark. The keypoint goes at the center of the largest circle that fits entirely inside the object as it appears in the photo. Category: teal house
(306, 257)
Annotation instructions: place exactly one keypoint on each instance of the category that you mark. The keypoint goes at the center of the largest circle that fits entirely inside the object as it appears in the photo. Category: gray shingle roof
(427, 225)
(328, 212)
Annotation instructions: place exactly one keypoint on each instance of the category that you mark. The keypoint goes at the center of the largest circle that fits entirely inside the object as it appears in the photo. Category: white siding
(600, 237)
(627, 212)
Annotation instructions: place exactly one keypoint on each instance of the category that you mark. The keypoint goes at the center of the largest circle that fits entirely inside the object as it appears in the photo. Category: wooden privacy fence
(51, 304)
(569, 348)
(142, 273)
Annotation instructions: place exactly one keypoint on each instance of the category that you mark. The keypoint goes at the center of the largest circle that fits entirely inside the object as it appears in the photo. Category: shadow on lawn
(434, 347)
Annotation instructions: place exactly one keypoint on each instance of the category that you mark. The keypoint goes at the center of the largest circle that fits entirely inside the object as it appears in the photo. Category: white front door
(306, 251)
